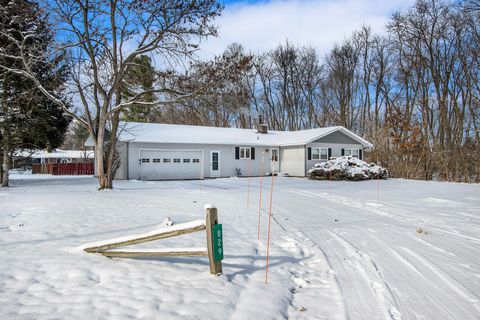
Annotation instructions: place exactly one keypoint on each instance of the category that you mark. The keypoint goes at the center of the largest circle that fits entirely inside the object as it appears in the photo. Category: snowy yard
(336, 252)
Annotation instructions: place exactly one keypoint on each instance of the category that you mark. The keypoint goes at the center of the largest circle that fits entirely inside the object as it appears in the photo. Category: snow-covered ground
(337, 252)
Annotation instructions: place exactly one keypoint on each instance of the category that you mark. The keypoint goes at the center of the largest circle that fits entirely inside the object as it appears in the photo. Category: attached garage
(152, 151)
(164, 164)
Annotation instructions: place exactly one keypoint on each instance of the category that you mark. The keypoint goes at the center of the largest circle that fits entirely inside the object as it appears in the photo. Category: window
(351, 152)
(274, 154)
(196, 160)
(319, 154)
(176, 160)
(166, 160)
(156, 160)
(245, 153)
(144, 160)
(186, 160)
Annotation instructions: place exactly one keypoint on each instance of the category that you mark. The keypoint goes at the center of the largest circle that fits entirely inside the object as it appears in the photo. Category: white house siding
(228, 163)
(293, 160)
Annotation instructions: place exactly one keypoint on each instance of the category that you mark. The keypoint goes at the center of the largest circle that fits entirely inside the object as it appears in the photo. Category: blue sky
(262, 25)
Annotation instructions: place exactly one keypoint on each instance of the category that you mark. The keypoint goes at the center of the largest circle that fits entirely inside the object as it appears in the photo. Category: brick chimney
(261, 127)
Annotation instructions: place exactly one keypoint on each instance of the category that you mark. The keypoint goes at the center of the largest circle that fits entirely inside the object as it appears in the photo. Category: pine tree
(140, 73)
(27, 118)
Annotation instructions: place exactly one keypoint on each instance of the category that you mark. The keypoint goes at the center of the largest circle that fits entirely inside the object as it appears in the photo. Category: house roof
(57, 154)
(173, 133)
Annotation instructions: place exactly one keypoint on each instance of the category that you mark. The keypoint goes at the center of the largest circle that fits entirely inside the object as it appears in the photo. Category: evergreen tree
(140, 74)
(27, 118)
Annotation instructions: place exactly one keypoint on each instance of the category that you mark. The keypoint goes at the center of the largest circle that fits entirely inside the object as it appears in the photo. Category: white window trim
(320, 153)
(245, 153)
(351, 152)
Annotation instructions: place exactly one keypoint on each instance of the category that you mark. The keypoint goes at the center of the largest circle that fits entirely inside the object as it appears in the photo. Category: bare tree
(102, 39)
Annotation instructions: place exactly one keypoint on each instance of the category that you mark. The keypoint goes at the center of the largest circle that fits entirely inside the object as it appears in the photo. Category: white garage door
(170, 164)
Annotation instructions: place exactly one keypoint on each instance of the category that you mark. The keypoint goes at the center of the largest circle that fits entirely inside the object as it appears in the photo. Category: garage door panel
(170, 164)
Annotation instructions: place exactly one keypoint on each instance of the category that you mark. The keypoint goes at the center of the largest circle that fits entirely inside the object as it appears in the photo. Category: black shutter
(309, 154)
(252, 153)
(237, 153)
(343, 152)
(360, 154)
(329, 153)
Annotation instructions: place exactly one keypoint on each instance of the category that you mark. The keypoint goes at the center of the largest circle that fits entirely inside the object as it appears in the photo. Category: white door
(274, 160)
(215, 164)
(170, 164)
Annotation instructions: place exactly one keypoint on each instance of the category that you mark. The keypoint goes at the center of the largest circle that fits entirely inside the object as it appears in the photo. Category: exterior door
(215, 164)
(274, 160)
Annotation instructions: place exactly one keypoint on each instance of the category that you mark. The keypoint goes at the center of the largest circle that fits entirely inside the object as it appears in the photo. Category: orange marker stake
(269, 224)
(378, 187)
(378, 183)
(248, 184)
(260, 200)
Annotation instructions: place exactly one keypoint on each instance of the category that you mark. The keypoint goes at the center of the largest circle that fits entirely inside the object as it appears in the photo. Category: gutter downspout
(128, 159)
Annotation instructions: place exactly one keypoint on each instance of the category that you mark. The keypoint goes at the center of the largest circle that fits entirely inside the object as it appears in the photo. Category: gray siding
(337, 137)
(292, 160)
(122, 173)
(336, 151)
(228, 163)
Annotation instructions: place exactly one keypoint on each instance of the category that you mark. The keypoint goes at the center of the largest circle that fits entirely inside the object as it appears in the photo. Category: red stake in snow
(260, 201)
(269, 224)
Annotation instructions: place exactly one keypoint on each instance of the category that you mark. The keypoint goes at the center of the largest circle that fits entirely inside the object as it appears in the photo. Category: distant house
(62, 156)
(164, 151)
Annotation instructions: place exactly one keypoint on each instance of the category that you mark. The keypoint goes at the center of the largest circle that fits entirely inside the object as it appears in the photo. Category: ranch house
(164, 151)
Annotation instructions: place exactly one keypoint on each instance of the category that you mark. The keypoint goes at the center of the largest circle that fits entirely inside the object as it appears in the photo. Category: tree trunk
(1, 167)
(5, 167)
(105, 180)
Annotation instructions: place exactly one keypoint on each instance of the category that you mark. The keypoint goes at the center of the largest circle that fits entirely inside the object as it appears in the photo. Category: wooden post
(211, 220)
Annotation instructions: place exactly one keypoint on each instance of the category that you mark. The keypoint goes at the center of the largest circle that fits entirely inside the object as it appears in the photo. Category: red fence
(63, 169)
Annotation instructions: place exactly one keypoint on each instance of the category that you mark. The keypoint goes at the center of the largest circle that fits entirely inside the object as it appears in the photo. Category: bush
(347, 168)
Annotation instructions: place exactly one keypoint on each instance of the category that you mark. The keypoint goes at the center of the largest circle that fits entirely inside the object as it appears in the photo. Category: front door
(215, 164)
(274, 163)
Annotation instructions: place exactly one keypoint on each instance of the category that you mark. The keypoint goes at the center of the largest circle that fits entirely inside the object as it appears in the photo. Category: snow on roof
(173, 133)
(70, 154)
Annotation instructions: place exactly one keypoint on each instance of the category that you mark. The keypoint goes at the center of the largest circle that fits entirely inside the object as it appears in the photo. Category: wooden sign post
(214, 240)
(214, 250)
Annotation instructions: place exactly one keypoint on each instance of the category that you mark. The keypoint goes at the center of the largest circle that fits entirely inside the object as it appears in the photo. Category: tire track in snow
(456, 234)
(312, 278)
(441, 275)
(369, 207)
(366, 267)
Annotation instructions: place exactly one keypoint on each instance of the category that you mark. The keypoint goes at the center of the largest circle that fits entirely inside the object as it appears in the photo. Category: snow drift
(347, 168)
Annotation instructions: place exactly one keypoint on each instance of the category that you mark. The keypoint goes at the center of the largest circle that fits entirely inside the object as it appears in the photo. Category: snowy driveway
(337, 252)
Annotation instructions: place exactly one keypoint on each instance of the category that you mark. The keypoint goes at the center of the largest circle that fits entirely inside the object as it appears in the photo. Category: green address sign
(217, 240)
